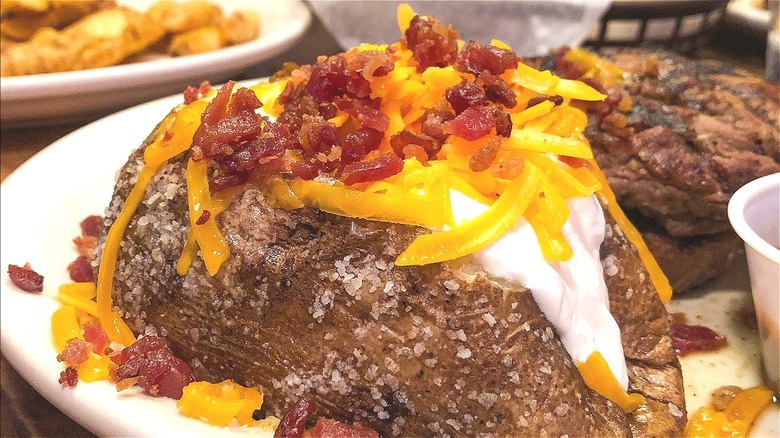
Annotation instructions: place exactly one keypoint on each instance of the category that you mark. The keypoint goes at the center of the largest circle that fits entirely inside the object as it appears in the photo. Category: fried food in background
(238, 28)
(101, 39)
(200, 40)
(21, 19)
(199, 26)
(176, 17)
(34, 39)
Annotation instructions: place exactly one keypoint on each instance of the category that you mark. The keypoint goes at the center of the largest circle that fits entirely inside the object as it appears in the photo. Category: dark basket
(679, 25)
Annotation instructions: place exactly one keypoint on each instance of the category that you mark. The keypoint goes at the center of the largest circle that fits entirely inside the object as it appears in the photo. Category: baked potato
(316, 302)
(310, 304)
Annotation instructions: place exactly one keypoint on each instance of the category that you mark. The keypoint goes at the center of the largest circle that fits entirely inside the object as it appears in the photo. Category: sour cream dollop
(571, 294)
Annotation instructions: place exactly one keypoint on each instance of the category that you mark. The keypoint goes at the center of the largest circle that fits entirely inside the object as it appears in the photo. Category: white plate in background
(56, 98)
(43, 201)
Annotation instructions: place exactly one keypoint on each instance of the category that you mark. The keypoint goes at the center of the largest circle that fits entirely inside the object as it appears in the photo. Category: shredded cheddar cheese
(478, 233)
(221, 403)
(65, 326)
(213, 247)
(598, 377)
(735, 420)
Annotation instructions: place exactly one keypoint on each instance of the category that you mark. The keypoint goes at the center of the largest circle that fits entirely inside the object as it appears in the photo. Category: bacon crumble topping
(304, 141)
(25, 278)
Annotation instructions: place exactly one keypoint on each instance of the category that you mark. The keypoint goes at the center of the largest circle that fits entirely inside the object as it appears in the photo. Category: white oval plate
(55, 98)
(44, 200)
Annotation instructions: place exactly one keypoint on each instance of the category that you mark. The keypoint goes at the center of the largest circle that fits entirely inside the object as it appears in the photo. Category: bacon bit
(94, 334)
(465, 95)
(190, 94)
(432, 44)
(204, 88)
(80, 270)
(433, 122)
(384, 166)
(307, 170)
(498, 90)
(692, 338)
(327, 427)
(374, 64)
(293, 423)
(332, 77)
(217, 128)
(85, 245)
(472, 124)
(358, 143)
(366, 115)
(317, 134)
(503, 123)
(25, 278)
(476, 58)
(484, 156)
(76, 352)
(400, 140)
(204, 217)
(224, 181)
(69, 377)
(416, 151)
(92, 226)
(159, 372)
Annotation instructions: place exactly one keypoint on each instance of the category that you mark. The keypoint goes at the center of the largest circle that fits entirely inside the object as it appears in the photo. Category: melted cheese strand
(597, 375)
(115, 328)
(190, 249)
(213, 247)
(188, 253)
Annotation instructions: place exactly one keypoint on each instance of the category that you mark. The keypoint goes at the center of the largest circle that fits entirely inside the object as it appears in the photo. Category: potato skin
(310, 303)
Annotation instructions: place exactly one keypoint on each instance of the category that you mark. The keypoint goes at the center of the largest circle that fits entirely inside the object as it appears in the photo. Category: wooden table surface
(22, 410)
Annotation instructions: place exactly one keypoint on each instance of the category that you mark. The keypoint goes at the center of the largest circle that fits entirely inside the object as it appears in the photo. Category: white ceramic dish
(43, 201)
(45, 99)
(754, 212)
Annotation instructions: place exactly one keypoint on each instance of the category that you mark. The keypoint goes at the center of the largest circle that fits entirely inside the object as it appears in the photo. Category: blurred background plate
(57, 98)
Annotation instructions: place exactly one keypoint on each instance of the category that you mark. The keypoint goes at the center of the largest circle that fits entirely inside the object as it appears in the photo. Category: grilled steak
(311, 304)
(697, 131)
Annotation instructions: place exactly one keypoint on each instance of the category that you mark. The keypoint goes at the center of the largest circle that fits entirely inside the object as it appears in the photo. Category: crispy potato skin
(310, 303)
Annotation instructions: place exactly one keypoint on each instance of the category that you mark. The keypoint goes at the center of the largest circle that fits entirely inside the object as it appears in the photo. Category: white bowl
(754, 212)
